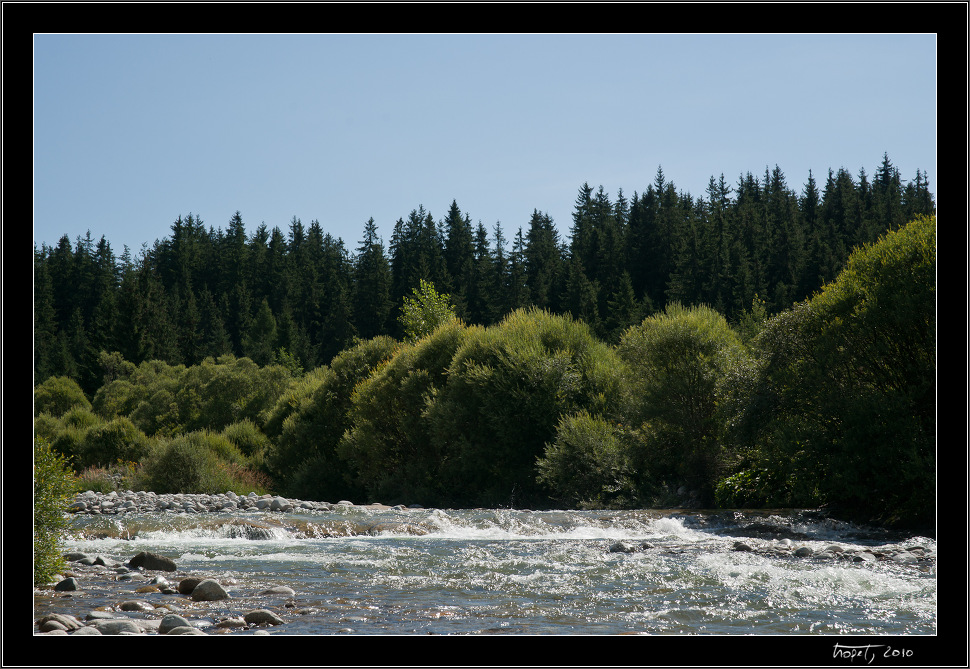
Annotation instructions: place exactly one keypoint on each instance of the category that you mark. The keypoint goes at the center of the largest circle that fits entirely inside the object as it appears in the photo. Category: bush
(588, 464)
(248, 438)
(119, 476)
(844, 399)
(197, 462)
(80, 418)
(679, 362)
(106, 443)
(388, 445)
(54, 483)
(47, 427)
(314, 427)
(57, 395)
(425, 312)
(69, 443)
(507, 389)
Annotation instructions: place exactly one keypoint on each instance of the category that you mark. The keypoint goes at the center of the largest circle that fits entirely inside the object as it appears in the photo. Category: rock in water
(152, 561)
(262, 617)
(209, 591)
(170, 622)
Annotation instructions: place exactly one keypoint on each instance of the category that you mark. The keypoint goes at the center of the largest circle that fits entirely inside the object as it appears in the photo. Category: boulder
(185, 630)
(278, 590)
(209, 590)
(152, 561)
(170, 622)
(187, 585)
(66, 621)
(117, 626)
(262, 617)
(88, 630)
(136, 605)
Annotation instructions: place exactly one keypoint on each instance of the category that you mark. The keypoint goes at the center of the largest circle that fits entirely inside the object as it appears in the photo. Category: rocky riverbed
(146, 593)
(149, 594)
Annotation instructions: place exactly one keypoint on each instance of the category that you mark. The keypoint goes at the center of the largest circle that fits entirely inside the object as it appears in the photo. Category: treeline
(830, 402)
(299, 297)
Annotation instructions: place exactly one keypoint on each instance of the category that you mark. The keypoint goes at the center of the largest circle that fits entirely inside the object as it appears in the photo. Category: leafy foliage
(588, 464)
(54, 483)
(580, 377)
(505, 392)
(679, 361)
(316, 419)
(388, 443)
(425, 312)
(841, 406)
(57, 395)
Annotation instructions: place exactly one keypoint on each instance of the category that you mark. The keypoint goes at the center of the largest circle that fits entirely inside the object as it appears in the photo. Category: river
(363, 571)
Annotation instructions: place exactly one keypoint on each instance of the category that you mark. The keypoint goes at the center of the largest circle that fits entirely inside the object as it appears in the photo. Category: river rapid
(379, 571)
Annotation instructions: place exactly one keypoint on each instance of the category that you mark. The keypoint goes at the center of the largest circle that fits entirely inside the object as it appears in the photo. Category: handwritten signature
(868, 652)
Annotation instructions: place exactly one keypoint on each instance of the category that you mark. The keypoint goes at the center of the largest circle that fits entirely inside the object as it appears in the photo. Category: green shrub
(388, 445)
(588, 464)
(508, 387)
(80, 418)
(314, 427)
(121, 475)
(290, 401)
(69, 443)
(107, 443)
(47, 427)
(843, 402)
(54, 483)
(57, 395)
(425, 312)
(248, 438)
(679, 363)
(190, 463)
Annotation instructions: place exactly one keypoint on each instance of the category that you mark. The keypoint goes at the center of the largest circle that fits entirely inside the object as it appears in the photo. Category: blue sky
(132, 131)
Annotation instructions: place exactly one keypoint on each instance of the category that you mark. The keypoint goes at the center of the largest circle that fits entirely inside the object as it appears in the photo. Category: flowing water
(364, 570)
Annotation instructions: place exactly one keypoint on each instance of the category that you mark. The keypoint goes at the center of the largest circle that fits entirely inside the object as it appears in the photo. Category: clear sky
(132, 131)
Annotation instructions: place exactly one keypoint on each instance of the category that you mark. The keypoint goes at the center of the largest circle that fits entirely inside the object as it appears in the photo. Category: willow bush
(198, 462)
(57, 395)
(388, 444)
(506, 390)
(588, 464)
(304, 456)
(679, 362)
(54, 483)
(842, 406)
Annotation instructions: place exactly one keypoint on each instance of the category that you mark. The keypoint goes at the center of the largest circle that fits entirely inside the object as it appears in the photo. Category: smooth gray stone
(209, 591)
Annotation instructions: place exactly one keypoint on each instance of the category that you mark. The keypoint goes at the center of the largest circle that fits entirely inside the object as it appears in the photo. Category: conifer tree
(372, 282)
(459, 253)
(543, 262)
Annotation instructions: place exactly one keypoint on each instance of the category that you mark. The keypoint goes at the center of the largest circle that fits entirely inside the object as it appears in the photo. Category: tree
(543, 262)
(459, 254)
(260, 341)
(425, 312)
(372, 282)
